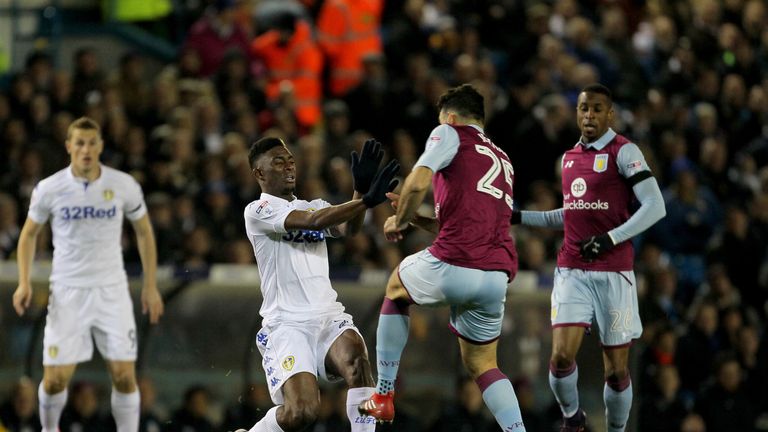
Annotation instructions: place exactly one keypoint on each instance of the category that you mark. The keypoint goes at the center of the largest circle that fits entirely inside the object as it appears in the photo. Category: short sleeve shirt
(87, 224)
(293, 264)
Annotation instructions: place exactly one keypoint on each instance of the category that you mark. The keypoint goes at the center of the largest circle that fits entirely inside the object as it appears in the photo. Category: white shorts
(610, 298)
(288, 348)
(78, 316)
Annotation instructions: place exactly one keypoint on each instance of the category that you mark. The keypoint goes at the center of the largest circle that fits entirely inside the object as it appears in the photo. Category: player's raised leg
(391, 337)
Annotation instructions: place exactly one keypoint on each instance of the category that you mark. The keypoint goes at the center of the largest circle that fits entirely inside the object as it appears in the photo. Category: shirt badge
(288, 362)
(601, 163)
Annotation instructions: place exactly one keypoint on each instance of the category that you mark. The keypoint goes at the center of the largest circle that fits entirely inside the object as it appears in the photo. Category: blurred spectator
(698, 347)
(466, 413)
(9, 226)
(663, 410)
(236, 89)
(250, 408)
(615, 32)
(82, 412)
(197, 250)
(239, 252)
(337, 129)
(660, 353)
(533, 256)
(693, 214)
(21, 93)
(741, 250)
(19, 413)
(87, 79)
(552, 127)
(216, 32)
(533, 416)
(580, 34)
(693, 423)
(193, 414)
(725, 404)
(39, 67)
(754, 364)
(348, 30)
(371, 101)
(149, 420)
(30, 172)
(406, 34)
(220, 216)
(718, 290)
(294, 66)
(131, 81)
(659, 306)
(167, 234)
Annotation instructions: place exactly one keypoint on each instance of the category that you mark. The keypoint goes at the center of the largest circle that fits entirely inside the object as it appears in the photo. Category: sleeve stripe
(136, 209)
(637, 178)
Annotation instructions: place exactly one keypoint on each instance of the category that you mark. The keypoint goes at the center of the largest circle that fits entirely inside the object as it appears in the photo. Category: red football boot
(381, 407)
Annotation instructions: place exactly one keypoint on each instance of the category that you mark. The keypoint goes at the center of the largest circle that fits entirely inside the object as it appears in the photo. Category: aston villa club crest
(601, 163)
(108, 194)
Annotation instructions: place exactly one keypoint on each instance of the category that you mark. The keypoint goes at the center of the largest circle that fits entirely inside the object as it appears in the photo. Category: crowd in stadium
(690, 83)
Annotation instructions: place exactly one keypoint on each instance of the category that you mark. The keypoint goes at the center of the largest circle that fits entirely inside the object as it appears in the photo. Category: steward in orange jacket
(293, 62)
(348, 30)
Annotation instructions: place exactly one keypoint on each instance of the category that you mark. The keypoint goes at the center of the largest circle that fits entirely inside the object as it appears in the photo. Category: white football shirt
(293, 265)
(87, 224)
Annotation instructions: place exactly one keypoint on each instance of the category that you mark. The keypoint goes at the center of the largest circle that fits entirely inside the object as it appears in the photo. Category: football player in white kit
(305, 333)
(89, 298)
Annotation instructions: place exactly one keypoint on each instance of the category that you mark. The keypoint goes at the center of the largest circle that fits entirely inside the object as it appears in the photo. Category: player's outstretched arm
(412, 195)
(334, 215)
(363, 167)
(151, 300)
(22, 297)
(545, 219)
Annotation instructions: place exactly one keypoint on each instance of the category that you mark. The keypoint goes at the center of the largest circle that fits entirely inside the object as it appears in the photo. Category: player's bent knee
(125, 384)
(395, 290)
(124, 379)
(562, 360)
(54, 383)
(355, 370)
(616, 375)
(298, 417)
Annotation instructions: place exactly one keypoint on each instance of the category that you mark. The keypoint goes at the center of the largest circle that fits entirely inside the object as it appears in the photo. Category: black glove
(383, 183)
(594, 246)
(517, 217)
(364, 165)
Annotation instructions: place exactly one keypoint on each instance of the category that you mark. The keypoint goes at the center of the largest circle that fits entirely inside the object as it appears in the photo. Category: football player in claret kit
(594, 278)
(468, 265)
(305, 332)
(89, 298)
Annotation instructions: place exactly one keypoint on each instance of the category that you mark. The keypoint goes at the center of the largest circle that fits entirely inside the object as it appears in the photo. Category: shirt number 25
(485, 184)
